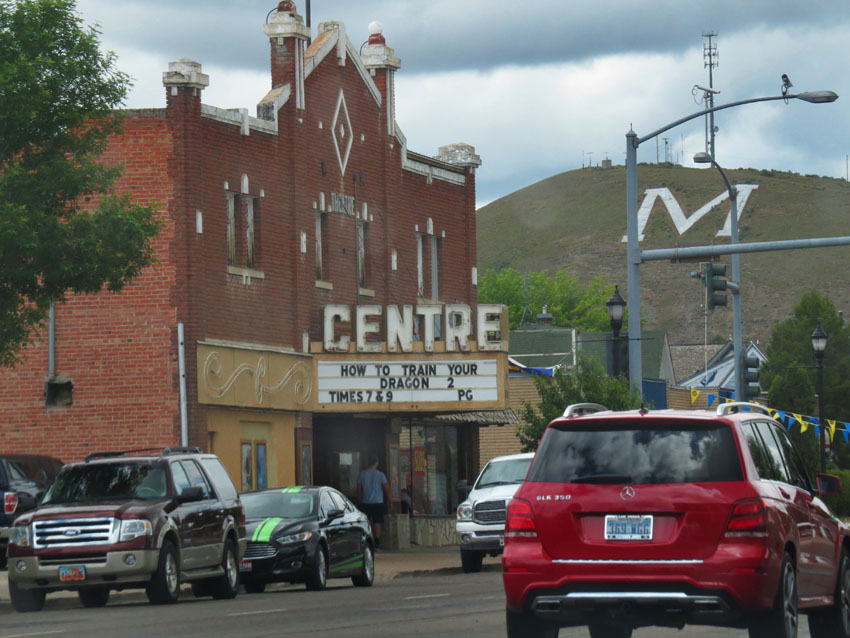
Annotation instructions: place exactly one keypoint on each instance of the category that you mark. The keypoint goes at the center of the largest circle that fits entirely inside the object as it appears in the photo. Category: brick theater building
(314, 296)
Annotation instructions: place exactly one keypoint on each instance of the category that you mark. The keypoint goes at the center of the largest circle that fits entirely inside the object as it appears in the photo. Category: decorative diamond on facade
(341, 127)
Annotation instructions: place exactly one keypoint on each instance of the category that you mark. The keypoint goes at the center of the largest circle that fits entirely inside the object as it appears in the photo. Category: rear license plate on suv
(70, 573)
(628, 527)
(245, 565)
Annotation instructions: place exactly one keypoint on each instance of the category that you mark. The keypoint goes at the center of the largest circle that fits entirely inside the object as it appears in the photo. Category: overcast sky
(541, 86)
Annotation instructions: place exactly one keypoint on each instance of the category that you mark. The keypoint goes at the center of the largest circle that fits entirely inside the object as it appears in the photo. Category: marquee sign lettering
(682, 222)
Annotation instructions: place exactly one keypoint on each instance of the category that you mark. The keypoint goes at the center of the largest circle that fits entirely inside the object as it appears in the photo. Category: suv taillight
(519, 523)
(10, 502)
(244, 518)
(748, 519)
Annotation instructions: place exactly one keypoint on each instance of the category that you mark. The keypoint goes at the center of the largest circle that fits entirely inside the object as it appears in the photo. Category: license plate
(628, 527)
(245, 565)
(71, 573)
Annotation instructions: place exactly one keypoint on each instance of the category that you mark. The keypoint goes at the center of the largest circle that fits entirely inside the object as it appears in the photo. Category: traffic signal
(714, 283)
(751, 376)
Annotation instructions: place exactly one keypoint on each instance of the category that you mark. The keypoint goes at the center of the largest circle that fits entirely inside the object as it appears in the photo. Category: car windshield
(503, 472)
(652, 454)
(278, 504)
(108, 481)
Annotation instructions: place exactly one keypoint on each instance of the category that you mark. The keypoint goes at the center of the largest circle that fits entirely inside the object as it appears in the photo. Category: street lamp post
(819, 339)
(735, 284)
(616, 308)
(634, 258)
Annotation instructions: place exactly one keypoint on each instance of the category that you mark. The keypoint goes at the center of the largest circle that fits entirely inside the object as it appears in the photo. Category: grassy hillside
(576, 221)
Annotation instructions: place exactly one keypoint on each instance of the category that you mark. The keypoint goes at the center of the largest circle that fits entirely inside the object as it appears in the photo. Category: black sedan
(305, 535)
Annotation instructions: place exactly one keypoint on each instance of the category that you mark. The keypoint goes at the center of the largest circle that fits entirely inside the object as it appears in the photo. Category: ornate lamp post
(616, 309)
(819, 339)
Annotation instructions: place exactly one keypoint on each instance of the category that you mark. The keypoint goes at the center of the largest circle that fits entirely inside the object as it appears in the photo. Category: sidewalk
(389, 564)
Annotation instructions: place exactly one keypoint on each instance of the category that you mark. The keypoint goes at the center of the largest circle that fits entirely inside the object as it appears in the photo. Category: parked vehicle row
(155, 519)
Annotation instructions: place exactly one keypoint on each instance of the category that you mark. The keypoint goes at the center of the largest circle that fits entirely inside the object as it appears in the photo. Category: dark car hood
(95, 509)
(261, 530)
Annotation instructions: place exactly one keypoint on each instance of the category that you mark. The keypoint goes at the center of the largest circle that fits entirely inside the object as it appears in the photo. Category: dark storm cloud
(444, 35)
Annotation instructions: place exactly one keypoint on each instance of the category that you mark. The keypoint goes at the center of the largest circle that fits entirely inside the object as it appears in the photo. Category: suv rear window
(108, 481)
(653, 454)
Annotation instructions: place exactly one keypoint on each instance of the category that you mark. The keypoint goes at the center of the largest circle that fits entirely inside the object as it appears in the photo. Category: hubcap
(171, 572)
(320, 563)
(844, 593)
(790, 602)
(368, 564)
(232, 573)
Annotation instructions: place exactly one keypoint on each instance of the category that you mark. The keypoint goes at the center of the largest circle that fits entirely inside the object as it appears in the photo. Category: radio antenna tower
(710, 59)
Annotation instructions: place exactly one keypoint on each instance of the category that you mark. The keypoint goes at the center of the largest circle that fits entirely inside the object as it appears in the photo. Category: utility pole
(709, 54)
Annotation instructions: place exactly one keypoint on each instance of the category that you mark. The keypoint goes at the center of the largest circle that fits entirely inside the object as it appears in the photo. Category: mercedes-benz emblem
(627, 493)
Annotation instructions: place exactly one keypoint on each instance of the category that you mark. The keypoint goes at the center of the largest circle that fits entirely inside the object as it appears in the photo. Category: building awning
(480, 417)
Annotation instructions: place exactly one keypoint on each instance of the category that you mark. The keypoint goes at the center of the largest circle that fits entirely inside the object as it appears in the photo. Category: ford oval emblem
(72, 531)
(627, 493)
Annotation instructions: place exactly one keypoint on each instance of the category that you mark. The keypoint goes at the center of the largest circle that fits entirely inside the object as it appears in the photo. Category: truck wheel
(26, 599)
(834, 622)
(227, 585)
(527, 626)
(94, 597)
(471, 560)
(164, 587)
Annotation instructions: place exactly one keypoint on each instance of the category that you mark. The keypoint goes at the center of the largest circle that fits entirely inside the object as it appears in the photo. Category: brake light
(748, 519)
(10, 502)
(519, 522)
(244, 518)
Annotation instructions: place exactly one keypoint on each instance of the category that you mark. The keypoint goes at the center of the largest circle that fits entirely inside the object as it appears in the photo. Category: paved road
(438, 605)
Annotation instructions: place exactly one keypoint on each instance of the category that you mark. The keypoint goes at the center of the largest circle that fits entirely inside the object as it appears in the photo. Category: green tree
(790, 371)
(587, 384)
(571, 304)
(61, 229)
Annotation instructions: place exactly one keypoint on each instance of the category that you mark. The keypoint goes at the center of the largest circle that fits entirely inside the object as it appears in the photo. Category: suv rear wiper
(603, 478)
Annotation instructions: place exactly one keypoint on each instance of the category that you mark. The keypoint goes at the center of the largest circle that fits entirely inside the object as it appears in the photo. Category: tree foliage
(587, 384)
(61, 228)
(571, 304)
(790, 372)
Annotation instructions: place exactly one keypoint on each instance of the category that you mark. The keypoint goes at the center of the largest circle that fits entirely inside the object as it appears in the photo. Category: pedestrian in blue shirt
(373, 489)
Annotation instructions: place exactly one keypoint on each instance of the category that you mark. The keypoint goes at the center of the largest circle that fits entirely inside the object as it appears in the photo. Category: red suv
(632, 519)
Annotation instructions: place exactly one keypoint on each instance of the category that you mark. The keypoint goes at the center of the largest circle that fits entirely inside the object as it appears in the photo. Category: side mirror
(191, 494)
(463, 488)
(828, 484)
(331, 516)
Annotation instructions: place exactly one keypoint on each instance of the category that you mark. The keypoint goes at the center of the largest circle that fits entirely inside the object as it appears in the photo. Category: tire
(609, 629)
(164, 587)
(25, 600)
(366, 577)
(94, 597)
(834, 622)
(226, 586)
(781, 621)
(253, 587)
(527, 626)
(317, 580)
(471, 560)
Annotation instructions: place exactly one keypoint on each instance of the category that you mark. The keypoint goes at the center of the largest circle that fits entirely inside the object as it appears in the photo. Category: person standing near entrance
(373, 488)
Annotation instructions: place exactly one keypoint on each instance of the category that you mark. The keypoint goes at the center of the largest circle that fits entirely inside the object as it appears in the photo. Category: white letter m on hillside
(683, 224)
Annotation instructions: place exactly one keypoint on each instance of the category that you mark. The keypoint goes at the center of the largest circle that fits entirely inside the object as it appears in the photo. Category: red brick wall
(120, 351)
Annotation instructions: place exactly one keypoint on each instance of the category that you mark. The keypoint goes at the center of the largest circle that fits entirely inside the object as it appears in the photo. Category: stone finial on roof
(286, 6)
(185, 72)
(375, 54)
(459, 154)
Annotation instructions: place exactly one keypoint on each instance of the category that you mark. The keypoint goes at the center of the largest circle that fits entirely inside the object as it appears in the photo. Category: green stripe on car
(264, 531)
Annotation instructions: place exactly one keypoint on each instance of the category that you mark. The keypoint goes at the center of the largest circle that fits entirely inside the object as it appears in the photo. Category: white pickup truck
(481, 517)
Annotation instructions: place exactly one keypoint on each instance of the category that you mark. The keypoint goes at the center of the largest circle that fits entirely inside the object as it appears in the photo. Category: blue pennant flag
(711, 399)
(817, 432)
(846, 434)
(814, 419)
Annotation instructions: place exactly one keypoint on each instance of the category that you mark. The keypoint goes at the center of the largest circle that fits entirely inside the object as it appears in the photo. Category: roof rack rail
(577, 409)
(190, 449)
(113, 453)
(738, 406)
